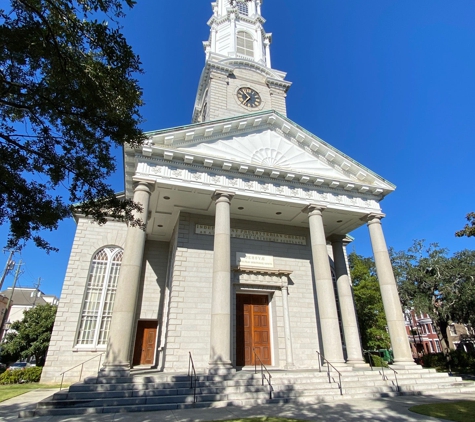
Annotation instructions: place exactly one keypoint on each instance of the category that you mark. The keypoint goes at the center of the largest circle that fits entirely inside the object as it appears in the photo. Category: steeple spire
(237, 31)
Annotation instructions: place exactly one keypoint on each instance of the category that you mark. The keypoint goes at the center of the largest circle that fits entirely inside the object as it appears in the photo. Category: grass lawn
(460, 411)
(13, 390)
(264, 419)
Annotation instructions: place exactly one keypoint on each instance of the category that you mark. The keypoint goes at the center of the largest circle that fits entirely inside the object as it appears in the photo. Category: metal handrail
(328, 371)
(192, 375)
(384, 376)
(82, 367)
(263, 376)
(367, 352)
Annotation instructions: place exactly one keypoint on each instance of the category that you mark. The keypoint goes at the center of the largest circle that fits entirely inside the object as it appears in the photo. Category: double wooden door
(252, 329)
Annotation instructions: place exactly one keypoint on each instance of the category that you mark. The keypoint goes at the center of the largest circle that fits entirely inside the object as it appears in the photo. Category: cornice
(165, 144)
(184, 174)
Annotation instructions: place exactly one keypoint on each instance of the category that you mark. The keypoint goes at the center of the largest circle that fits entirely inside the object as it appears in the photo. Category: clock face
(249, 97)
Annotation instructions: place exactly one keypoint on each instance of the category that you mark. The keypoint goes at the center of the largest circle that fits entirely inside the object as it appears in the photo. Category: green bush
(376, 360)
(434, 360)
(20, 376)
(32, 374)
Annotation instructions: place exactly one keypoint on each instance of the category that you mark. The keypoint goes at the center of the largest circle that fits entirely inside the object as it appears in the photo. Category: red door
(252, 329)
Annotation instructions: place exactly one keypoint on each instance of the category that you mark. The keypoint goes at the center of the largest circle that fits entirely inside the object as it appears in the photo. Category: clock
(249, 97)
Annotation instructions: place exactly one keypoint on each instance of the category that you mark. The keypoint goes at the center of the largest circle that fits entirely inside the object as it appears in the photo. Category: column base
(357, 364)
(108, 371)
(405, 365)
(221, 368)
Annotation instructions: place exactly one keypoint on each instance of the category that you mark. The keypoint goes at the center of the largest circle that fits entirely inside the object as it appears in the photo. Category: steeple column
(232, 44)
(327, 310)
(220, 344)
(389, 293)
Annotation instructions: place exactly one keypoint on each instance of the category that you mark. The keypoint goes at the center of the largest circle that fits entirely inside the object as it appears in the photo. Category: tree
(432, 282)
(469, 229)
(31, 336)
(368, 303)
(67, 95)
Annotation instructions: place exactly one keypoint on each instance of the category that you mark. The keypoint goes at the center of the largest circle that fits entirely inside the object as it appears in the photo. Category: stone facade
(243, 254)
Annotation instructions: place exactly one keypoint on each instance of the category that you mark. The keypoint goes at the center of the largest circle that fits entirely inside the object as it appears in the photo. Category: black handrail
(82, 367)
(192, 376)
(367, 352)
(384, 376)
(263, 376)
(328, 371)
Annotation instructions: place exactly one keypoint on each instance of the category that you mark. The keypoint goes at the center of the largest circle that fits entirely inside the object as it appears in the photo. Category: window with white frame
(99, 297)
(437, 346)
(245, 44)
(243, 8)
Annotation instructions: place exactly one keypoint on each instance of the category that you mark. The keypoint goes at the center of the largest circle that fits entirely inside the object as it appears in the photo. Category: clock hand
(248, 98)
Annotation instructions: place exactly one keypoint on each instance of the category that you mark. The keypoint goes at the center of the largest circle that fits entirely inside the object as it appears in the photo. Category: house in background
(25, 298)
(424, 339)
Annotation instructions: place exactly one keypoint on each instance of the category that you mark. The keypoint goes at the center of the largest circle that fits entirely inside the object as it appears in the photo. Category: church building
(243, 258)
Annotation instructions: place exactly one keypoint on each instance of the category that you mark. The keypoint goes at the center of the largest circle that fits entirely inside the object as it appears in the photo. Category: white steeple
(238, 77)
(237, 31)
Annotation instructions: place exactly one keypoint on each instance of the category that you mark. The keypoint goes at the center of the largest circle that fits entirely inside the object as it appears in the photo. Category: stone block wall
(62, 353)
(190, 299)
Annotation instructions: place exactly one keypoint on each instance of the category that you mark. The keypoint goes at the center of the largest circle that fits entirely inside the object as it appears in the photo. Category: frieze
(162, 171)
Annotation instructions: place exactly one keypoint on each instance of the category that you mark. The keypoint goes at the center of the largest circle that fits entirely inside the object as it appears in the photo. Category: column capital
(337, 238)
(144, 186)
(223, 195)
(312, 209)
(373, 218)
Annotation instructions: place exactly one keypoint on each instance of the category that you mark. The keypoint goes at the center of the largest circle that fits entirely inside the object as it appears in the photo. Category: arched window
(245, 44)
(243, 8)
(99, 298)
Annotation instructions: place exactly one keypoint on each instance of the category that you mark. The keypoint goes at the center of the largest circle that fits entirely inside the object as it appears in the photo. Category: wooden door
(252, 329)
(145, 341)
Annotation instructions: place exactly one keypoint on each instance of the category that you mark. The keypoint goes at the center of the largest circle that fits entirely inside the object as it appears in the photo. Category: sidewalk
(387, 409)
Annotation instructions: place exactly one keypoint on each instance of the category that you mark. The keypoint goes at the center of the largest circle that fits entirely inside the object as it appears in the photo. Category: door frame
(143, 324)
(270, 297)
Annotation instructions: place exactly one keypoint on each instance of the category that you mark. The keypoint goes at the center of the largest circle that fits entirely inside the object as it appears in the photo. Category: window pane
(99, 297)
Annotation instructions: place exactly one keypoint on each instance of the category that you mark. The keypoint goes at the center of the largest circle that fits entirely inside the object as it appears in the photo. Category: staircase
(158, 391)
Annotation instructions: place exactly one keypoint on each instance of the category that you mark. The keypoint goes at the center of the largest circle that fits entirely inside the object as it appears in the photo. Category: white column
(288, 340)
(122, 328)
(233, 46)
(267, 46)
(332, 347)
(220, 340)
(389, 293)
(347, 304)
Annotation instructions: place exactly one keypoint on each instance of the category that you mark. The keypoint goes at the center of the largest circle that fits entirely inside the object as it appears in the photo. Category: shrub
(20, 376)
(434, 360)
(376, 360)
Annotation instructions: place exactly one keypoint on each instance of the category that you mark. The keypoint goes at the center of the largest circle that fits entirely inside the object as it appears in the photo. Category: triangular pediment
(266, 148)
(264, 144)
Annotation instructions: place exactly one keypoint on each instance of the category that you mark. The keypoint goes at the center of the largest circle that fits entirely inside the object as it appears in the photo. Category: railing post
(61, 386)
(80, 374)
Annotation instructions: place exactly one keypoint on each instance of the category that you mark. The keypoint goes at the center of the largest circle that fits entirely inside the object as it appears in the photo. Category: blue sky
(389, 82)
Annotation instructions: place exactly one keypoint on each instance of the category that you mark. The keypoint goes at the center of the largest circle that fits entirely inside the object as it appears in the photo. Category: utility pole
(8, 267)
(7, 310)
(37, 291)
